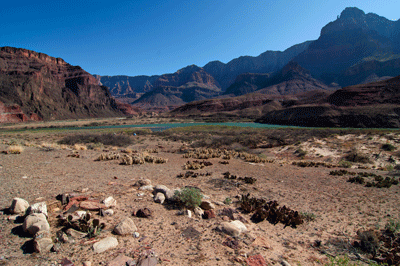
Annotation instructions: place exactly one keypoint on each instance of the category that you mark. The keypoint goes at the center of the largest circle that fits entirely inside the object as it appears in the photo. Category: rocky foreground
(289, 205)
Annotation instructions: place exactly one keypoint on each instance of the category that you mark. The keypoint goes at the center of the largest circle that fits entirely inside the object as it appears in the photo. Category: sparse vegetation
(105, 139)
(227, 201)
(388, 147)
(15, 149)
(392, 227)
(189, 196)
(356, 156)
(341, 261)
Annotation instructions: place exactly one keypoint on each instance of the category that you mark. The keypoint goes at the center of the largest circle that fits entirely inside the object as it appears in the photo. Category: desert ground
(36, 167)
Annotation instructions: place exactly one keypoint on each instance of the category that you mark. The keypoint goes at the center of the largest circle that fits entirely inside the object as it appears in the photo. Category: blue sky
(156, 37)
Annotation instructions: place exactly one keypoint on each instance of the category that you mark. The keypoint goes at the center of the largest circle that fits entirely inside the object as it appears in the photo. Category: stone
(41, 245)
(125, 227)
(160, 188)
(234, 228)
(136, 235)
(256, 260)
(80, 214)
(19, 206)
(149, 261)
(13, 218)
(285, 263)
(207, 205)
(110, 202)
(66, 262)
(188, 213)
(143, 182)
(144, 213)
(147, 188)
(105, 244)
(198, 211)
(42, 234)
(209, 214)
(62, 237)
(39, 207)
(35, 222)
(109, 212)
(170, 194)
(87, 263)
(56, 247)
(159, 198)
(239, 225)
(120, 260)
(74, 233)
(91, 205)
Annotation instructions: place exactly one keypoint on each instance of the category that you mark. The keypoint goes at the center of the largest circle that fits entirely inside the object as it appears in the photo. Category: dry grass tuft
(15, 149)
(79, 147)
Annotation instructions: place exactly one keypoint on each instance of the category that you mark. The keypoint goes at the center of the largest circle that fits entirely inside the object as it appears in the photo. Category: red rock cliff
(44, 87)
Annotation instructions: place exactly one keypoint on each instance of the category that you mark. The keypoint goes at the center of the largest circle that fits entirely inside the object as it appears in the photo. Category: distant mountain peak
(189, 69)
(351, 13)
(354, 18)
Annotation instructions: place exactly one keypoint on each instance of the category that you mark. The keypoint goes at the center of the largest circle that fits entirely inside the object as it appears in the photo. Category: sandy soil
(340, 208)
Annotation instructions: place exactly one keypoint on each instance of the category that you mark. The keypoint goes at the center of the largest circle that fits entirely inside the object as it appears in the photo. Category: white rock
(147, 188)
(160, 188)
(125, 227)
(234, 228)
(170, 194)
(80, 214)
(39, 207)
(109, 212)
(159, 198)
(207, 205)
(19, 206)
(188, 213)
(239, 225)
(35, 222)
(105, 244)
(136, 235)
(75, 234)
(110, 202)
(198, 211)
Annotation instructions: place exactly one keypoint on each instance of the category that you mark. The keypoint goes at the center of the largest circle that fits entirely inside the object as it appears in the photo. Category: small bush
(308, 216)
(15, 149)
(228, 201)
(301, 153)
(341, 261)
(190, 197)
(388, 147)
(356, 157)
(79, 147)
(345, 164)
(392, 226)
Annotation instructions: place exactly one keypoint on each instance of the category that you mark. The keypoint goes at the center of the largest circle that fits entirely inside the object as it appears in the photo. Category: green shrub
(341, 261)
(392, 226)
(357, 157)
(388, 147)
(301, 153)
(308, 216)
(345, 164)
(190, 197)
(228, 201)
